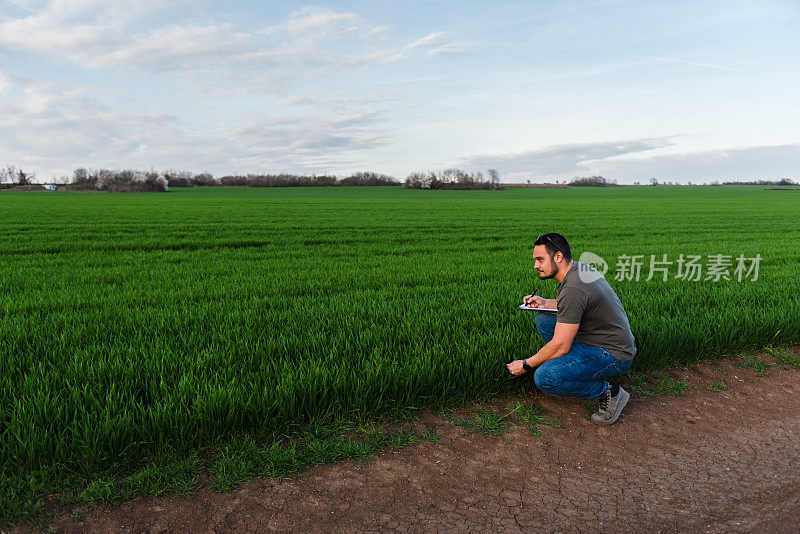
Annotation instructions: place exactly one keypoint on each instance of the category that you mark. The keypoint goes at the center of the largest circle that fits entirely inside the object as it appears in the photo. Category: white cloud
(560, 161)
(54, 129)
(177, 47)
(302, 141)
(101, 39)
(454, 47)
(739, 163)
(92, 33)
(319, 36)
(627, 162)
(341, 101)
(5, 81)
(322, 23)
(429, 40)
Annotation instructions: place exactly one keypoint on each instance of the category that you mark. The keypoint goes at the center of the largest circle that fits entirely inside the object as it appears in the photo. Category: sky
(542, 91)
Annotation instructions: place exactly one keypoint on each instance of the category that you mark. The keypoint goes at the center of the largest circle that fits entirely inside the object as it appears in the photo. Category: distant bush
(15, 177)
(23, 178)
(126, 181)
(282, 180)
(83, 177)
(784, 181)
(7, 174)
(278, 180)
(187, 179)
(369, 179)
(452, 179)
(131, 182)
(204, 179)
(591, 181)
(178, 178)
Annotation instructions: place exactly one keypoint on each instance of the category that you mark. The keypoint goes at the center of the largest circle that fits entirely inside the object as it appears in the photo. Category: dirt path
(725, 461)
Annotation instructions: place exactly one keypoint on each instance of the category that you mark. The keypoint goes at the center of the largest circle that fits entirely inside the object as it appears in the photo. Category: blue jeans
(581, 372)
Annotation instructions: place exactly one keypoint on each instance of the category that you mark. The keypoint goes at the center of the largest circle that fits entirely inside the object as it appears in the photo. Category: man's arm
(563, 336)
(535, 301)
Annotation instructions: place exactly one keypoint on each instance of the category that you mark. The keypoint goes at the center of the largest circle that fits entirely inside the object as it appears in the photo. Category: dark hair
(554, 242)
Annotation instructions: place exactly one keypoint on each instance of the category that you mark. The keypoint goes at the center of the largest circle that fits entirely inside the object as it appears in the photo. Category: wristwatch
(525, 365)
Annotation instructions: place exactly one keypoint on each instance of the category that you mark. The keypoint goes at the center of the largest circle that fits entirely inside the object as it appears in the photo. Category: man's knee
(547, 379)
(545, 323)
(544, 320)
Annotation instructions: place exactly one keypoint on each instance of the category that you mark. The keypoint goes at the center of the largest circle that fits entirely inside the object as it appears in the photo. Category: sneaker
(611, 404)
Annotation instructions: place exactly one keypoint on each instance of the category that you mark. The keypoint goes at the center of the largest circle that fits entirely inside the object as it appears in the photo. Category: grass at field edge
(41, 496)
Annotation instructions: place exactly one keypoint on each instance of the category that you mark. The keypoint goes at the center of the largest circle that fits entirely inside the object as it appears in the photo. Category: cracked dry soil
(708, 461)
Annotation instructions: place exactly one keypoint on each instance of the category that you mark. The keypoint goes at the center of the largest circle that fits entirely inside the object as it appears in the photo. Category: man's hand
(533, 301)
(515, 368)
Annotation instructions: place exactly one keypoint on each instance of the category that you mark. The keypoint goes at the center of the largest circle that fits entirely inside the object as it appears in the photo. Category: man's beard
(543, 276)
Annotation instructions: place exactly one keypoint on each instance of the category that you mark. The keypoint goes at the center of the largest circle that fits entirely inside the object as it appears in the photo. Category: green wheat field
(137, 327)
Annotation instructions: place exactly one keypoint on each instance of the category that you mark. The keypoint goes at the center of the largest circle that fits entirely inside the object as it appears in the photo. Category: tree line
(153, 181)
(126, 181)
(453, 179)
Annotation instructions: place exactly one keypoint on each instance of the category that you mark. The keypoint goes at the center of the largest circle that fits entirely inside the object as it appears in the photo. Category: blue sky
(680, 91)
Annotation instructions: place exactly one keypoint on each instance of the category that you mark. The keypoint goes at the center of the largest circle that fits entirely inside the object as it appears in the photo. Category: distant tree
(324, 180)
(125, 181)
(448, 179)
(419, 180)
(653, 181)
(23, 178)
(7, 173)
(784, 181)
(82, 177)
(178, 178)
(205, 179)
(368, 179)
(494, 177)
(592, 181)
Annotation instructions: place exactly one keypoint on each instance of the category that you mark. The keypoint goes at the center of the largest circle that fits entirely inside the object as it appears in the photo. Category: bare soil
(707, 461)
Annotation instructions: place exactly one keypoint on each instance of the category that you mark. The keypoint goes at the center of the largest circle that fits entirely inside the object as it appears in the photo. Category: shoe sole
(623, 401)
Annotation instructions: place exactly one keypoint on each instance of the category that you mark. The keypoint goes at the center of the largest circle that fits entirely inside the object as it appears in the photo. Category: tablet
(523, 307)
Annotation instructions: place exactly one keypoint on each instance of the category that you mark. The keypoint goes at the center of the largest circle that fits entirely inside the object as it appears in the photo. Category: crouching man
(587, 340)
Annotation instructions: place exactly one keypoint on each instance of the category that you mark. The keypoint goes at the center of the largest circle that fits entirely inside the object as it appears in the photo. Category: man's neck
(562, 272)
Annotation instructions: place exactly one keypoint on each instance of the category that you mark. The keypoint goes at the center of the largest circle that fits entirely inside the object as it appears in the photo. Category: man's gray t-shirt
(585, 298)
